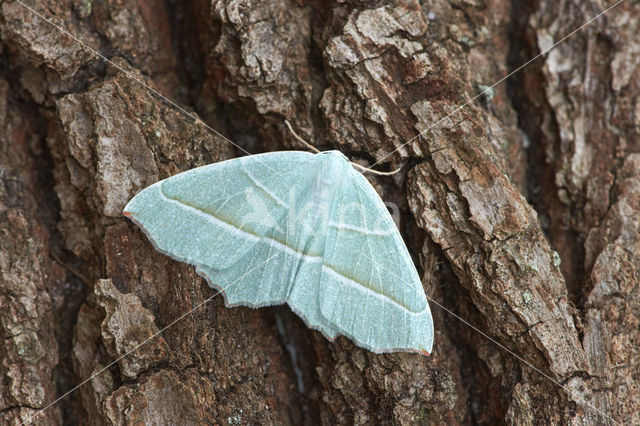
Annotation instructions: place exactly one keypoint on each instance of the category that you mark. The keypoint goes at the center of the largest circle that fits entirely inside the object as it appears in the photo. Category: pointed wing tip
(424, 352)
(127, 214)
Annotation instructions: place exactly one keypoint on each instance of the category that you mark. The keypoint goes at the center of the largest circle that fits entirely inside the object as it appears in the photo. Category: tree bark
(522, 209)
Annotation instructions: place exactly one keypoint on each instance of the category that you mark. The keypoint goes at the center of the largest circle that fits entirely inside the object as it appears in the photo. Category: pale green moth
(297, 228)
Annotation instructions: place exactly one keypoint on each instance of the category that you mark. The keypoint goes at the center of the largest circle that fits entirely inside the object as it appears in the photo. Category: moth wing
(211, 216)
(369, 288)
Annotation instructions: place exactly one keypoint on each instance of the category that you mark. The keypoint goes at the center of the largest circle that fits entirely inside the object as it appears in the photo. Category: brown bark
(522, 209)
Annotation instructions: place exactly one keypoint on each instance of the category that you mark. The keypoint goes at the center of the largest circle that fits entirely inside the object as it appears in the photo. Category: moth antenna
(295, 135)
(364, 169)
(375, 172)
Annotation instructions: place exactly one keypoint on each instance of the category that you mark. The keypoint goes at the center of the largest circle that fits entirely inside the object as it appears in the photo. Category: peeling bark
(522, 210)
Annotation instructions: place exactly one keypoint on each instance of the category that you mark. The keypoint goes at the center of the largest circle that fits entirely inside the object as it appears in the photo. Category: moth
(298, 228)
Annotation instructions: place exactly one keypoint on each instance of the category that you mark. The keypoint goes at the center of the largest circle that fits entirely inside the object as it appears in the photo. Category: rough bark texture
(522, 210)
